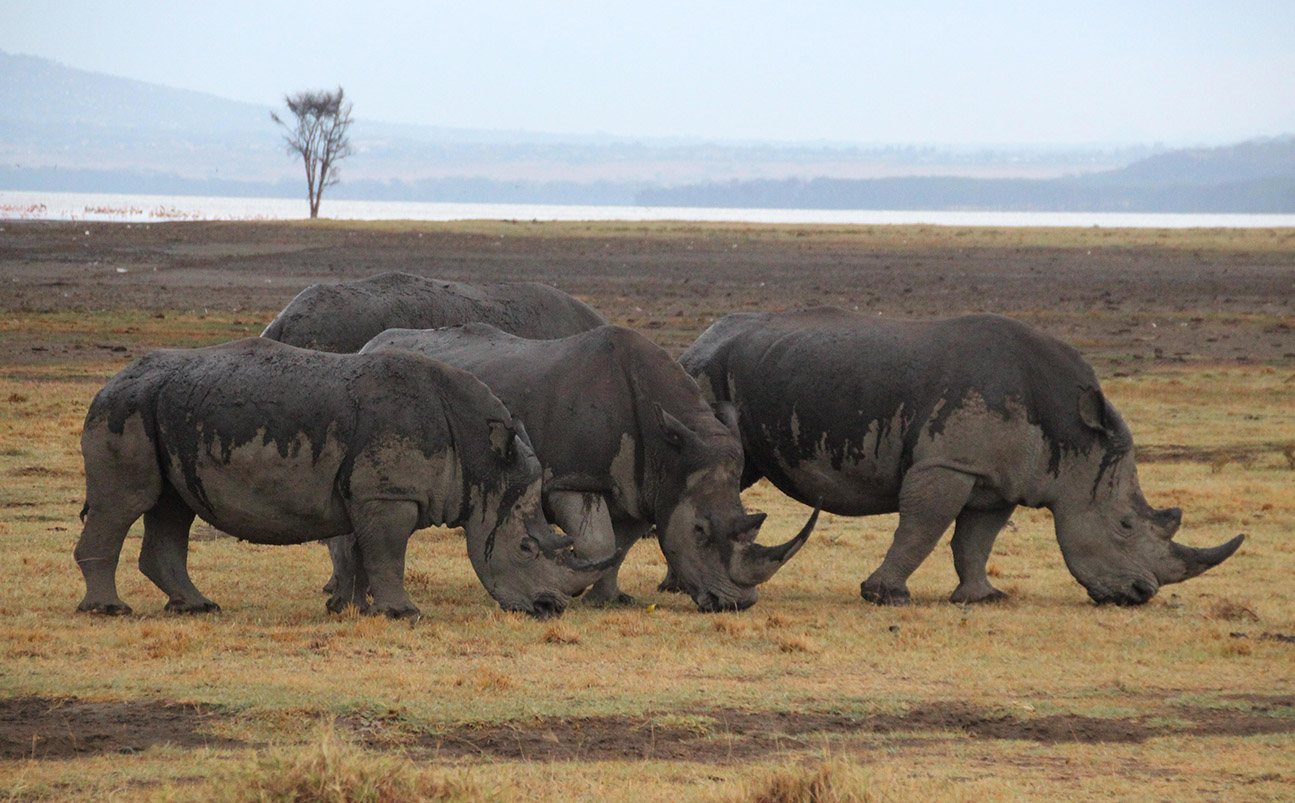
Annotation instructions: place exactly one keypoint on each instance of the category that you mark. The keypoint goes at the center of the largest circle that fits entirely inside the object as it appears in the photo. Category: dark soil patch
(34, 727)
(1219, 456)
(740, 736)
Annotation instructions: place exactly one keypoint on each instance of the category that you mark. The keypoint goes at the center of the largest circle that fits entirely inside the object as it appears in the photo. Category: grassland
(1046, 696)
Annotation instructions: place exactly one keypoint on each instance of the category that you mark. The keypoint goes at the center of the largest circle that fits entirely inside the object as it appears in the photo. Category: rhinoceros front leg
(349, 584)
(337, 546)
(164, 555)
(382, 530)
(584, 517)
(973, 540)
(670, 583)
(930, 498)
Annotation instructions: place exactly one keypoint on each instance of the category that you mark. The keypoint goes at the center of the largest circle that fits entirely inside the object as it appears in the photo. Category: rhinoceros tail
(85, 508)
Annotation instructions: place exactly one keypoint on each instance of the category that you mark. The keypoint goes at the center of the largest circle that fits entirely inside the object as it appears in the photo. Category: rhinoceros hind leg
(382, 530)
(97, 553)
(973, 539)
(930, 498)
(164, 554)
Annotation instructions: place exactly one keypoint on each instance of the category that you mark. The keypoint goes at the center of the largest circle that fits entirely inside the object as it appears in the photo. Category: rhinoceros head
(1115, 544)
(707, 537)
(520, 560)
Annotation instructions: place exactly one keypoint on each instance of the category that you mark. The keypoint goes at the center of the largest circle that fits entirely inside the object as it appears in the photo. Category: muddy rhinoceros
(945, 422)
(343, 317)
(627, 443)
(279, 445)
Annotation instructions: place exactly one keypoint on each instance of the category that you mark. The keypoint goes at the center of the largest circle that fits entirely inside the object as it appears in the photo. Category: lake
(160, 208)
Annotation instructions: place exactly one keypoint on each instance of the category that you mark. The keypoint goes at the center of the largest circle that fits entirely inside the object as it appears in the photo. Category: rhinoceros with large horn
(279, 445)
(343, 317)
(945, 422)
(627, 443)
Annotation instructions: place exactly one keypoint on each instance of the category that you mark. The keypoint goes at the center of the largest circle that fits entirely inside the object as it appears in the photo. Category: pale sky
(949, 73)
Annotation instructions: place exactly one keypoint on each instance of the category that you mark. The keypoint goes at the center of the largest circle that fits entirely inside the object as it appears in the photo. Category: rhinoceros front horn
(752, 563)
(1196, 560)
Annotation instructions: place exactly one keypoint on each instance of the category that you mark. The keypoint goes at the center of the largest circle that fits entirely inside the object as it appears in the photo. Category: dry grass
(275, 664)
(833, 780)
(331, 768)
(275, 656)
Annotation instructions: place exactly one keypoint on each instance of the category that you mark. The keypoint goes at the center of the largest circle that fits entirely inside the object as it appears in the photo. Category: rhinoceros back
(343, 317)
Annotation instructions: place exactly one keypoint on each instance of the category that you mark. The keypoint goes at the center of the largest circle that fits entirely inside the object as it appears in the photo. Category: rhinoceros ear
(676, 434)
(501, 439)
(1092, 409)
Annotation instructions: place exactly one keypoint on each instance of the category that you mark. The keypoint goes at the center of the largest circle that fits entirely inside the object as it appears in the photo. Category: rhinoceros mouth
(1137, 592)
(708, 602)
(547, 606)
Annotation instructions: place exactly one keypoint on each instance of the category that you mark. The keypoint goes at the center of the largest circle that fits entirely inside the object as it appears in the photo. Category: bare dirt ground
(1122, 303)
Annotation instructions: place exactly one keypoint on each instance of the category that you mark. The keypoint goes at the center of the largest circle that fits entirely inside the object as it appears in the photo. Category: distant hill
(43, 93)
(73, 130)
(1249, 161)
(1252, 177)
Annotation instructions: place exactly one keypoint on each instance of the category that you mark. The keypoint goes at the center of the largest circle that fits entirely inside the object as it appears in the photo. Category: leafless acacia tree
(318, 131)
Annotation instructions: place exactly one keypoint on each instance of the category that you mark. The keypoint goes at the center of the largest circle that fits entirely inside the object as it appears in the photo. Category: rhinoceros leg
(122, 481)
(97, 553)
(382, 530)
(164, 555)
(670, 583)
(930, 498)
(349, 584)
(337, 546)
(607, 591)
(973, 539)
(584, 517)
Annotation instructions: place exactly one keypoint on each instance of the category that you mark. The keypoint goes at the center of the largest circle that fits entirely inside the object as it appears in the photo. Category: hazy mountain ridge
(68, 129)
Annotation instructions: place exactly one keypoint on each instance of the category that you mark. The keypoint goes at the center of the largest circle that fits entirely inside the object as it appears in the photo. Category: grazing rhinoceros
(943, 422)
(626, 442)
(343, 317)
(278, 445)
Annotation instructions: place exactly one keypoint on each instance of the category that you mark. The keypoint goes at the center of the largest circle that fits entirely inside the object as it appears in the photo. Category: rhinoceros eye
(1126, 524)
(529, 547)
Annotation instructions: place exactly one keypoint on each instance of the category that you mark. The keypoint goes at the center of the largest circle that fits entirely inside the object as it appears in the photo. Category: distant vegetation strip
(1252, 177)
(1260, 196)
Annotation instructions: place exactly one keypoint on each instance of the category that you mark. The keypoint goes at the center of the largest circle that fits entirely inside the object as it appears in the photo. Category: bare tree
(320, 135)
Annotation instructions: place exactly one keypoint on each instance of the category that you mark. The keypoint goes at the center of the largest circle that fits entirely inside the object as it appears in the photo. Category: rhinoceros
(627, 443)
(945, 422)
(343, 317)
(280, 445)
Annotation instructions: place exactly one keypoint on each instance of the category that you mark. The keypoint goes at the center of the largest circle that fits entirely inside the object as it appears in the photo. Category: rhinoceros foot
(881, 594)
(340, 605)
(118, 608)
(968, 595)
(201, 606)
(396, 611)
